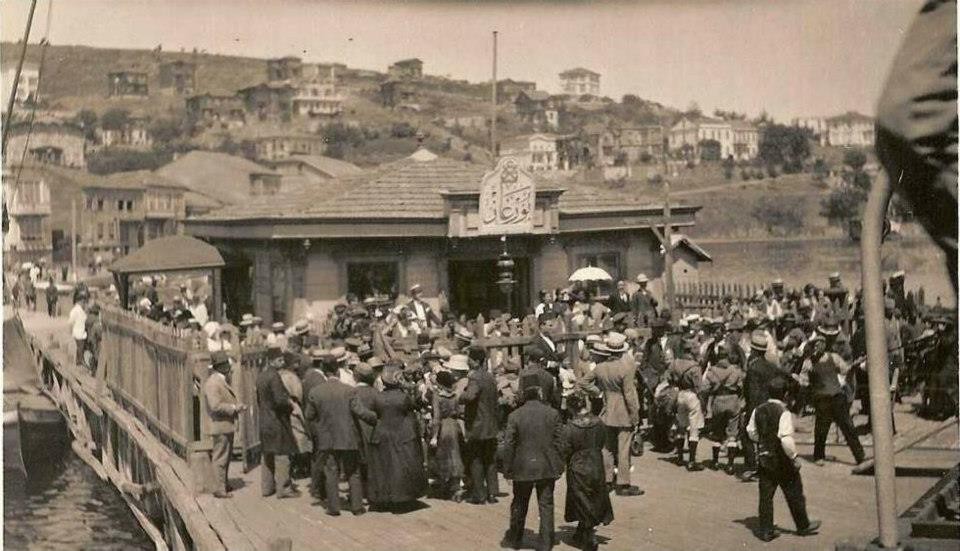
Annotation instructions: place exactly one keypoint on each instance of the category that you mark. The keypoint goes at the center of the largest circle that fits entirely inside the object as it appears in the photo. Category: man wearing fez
(223, 409)
(644, 306)
(531, 456)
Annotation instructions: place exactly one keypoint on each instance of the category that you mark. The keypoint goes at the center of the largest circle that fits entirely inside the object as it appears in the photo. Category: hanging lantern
(505, 266)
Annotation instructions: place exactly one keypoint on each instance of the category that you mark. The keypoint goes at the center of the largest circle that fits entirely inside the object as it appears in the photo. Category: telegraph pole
(73, 238)
(667, 234)
(493, 106)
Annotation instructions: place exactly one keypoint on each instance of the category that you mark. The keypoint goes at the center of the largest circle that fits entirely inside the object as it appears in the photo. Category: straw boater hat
(301, 328)
(339, 354)
(642, 278)
(256, 320)
(834, 276)
(828, 327)
(458, 362)
(758, 341)
(415, 288)
(615, 343)
(246, 320)
(278, 326)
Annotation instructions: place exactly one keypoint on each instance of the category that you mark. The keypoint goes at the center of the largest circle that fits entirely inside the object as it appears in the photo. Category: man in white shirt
(78, 327)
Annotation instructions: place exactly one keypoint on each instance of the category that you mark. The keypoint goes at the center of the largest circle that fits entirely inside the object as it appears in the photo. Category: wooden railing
(154, 372)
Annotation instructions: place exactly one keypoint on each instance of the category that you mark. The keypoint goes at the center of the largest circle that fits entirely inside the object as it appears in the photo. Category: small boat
(35, 434)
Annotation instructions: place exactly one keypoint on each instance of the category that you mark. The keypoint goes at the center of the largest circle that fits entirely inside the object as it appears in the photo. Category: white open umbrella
(590, 273)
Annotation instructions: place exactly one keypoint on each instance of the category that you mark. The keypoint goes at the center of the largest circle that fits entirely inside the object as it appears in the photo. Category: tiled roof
(405, 189)
(850, 117)
(223, 177)
(681, 240)
(141, 179)
(578, 71)
(535, 95)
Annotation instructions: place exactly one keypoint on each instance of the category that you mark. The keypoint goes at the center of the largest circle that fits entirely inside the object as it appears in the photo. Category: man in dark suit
(480, 400)
(621, 301)
(533, 374)
(542, 344)
(276, 435)
(760, 372)
(337, 439)
(532, 460)
(364, 396)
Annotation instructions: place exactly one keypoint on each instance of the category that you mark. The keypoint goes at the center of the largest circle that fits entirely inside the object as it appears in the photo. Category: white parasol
(590, 273)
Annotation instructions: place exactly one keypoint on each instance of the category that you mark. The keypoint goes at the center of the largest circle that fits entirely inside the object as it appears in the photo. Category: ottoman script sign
(507, 200)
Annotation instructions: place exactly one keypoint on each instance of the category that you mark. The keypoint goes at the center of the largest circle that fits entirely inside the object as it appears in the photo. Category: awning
(171, 253)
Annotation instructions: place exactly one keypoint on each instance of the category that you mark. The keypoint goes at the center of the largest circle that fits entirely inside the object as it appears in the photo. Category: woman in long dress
(395, 468)
(588, 502)
(446, 439)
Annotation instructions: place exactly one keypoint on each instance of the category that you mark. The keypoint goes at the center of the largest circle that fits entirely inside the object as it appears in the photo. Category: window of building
(606, 261)
(99, 203)
(366, 279)
(112, 230)
(120, 205)
(99, 231)
(130, 205)
(31, 228)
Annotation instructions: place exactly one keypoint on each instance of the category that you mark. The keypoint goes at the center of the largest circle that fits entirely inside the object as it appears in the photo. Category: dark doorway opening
(237, 285)
(473, 287)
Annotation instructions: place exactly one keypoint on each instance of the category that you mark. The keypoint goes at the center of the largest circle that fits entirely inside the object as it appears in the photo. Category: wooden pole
(73, 238)
(493, 106)
(667, 237)
(877, 370)
(16, 78)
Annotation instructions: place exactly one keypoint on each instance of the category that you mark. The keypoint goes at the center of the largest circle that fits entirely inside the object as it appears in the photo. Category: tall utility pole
(73, 238)
(667, 240)
(493, 106)
(16, 78)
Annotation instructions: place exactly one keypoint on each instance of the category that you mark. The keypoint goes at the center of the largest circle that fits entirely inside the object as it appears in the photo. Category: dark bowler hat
(219, 359)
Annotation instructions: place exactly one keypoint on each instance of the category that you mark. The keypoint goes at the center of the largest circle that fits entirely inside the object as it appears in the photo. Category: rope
(44, 42)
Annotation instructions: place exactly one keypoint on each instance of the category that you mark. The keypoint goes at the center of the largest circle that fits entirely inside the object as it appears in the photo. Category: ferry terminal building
(418, 220)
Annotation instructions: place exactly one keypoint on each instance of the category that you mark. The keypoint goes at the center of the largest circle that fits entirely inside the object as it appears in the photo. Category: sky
(789, 57)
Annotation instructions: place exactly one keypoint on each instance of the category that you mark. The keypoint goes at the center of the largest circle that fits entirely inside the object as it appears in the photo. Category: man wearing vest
(830, 401)
(771, 427)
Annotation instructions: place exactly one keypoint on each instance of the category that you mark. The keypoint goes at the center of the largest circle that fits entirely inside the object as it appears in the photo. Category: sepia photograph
(414, 275)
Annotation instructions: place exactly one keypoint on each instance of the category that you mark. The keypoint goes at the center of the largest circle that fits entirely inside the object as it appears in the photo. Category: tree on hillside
(87, 120)
(843, 204)
(821, 169)
(115, 119)
(784, 146)
(730, 115)
(165, 131)
(777, 215)
(856, 159)
(110, 160)
(693, 111)
(632, 100)
(340, 138)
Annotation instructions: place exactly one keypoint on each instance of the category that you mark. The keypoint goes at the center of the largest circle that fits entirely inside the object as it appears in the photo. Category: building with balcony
(133, 134)
(178, 77)
(127, 83)
(215, 111)
(538, 109)
(580, 81)
(737, 139)
(281, 146)
(29, 237)
(534, 152)
(508, 89)
(269, 101)
(317, 99)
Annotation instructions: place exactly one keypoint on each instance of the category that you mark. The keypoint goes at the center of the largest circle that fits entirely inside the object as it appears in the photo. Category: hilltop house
(213, 111)
(27, 88)
(580, 81)
(284, 68)
(49, 142)
(399, 94)
(639, 142)
(538, 108)
(508, 89)
(746, 140)
(737, 139)
(29, 237)
(127, 83)
(317, 99)
(269, 101)
(417, 220)
(534, 152)
(134, 134)
(407, 69)
(850, 129)
(281, 146)
(178, 77)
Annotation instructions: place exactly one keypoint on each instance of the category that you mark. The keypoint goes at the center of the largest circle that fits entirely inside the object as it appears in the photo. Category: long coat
(480, 411)
(587, 497)
(546, 382)
(532, 442)
(617, 380)
(330, 416)
(395, 465)
(222, 404)
(363, 398)
(276, 434)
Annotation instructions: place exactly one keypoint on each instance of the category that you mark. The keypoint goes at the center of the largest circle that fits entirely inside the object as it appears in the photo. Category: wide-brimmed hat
(278, 326)
(642, 278)
(615, 342)
(828, 327)
(390, 375)
(416, 288)
(301, 328)
(339, 354)
(758, 340)
(219, 359)
(246, 320)
(363, 371)
(458, 362)
(834, 276)
(375, 363)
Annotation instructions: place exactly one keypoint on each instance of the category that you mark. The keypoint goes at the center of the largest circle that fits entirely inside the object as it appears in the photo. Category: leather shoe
(222, 495)
(474, 501)
(694, 467)
(333, 513)
(810, 529)
(288, 493)
(768, 536)
(629, 491)
(492, 499)
(358, 512)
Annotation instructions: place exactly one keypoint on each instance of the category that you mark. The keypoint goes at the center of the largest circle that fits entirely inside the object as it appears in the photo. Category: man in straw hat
(615, 380)
(644, 305)
(422, 311)
(223, 409)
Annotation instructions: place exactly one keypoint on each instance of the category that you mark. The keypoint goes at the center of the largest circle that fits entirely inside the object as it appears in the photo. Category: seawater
(65, 506)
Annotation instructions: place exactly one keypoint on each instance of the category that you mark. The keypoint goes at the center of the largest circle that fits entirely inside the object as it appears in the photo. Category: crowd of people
(343, 398)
